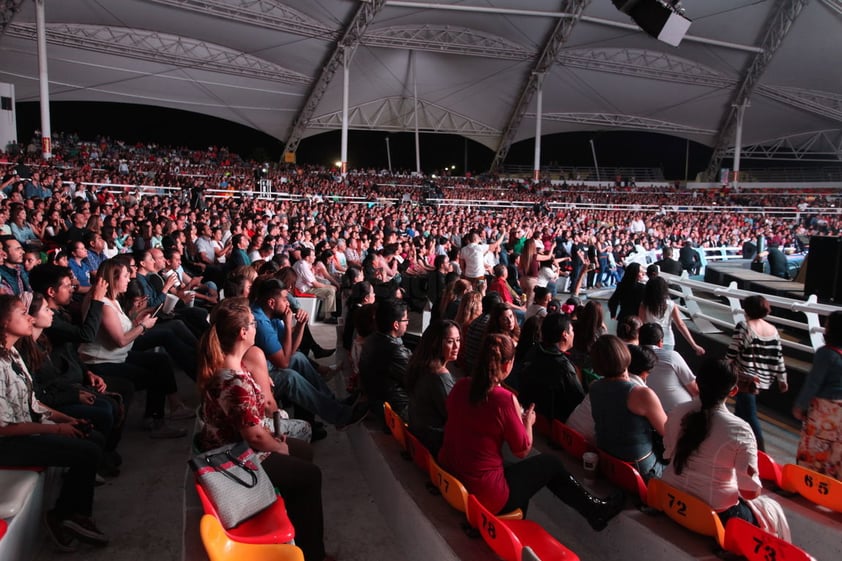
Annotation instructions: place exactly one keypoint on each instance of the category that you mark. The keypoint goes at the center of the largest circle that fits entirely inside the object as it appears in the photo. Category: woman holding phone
(111, 354)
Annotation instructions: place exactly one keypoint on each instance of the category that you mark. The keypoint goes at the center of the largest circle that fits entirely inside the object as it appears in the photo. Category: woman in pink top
(481, 415)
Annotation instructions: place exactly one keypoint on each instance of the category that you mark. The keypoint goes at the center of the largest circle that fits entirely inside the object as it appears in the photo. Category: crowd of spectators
(130, 246)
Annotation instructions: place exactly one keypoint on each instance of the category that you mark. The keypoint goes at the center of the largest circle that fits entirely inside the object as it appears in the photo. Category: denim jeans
(296, 388)
(301, 364)
(745, 407)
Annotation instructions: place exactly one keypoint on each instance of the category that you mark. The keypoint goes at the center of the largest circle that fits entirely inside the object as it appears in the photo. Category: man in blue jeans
(278, 335)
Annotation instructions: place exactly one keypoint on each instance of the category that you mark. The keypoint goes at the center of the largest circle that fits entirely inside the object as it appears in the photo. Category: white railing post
(736, 305)
(814, 326)
(693, 308)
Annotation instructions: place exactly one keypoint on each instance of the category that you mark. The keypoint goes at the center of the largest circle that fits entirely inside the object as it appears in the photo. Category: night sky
(366, 149)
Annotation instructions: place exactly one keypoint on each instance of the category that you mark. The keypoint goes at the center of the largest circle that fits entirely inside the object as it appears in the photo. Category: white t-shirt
(669, 377)
(474, 257)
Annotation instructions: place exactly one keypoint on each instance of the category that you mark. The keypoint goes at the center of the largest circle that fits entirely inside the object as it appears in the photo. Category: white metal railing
(695, 295)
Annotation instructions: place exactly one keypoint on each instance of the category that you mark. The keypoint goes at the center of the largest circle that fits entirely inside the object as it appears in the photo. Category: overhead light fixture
(662, 19)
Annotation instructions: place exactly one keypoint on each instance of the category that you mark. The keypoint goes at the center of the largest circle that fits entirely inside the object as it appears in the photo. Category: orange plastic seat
(269, 526)
(455, 493)
(570, 440)
(418, 452)
(755, 544)
(622, 474)
(507, 538)
(396, 425)
(689, 511)
(769, 468)
(220, 546)
(817, 488)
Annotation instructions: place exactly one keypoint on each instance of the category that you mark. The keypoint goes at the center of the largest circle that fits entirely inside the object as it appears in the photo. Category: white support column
(738, 143)
(539, 113)
(415, 112)
(346, 63)
(43, 80)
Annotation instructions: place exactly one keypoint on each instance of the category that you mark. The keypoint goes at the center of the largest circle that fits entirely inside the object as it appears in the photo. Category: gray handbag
(234, 481)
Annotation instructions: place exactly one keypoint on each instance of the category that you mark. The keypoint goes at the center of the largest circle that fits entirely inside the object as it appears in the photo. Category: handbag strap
(239, 463)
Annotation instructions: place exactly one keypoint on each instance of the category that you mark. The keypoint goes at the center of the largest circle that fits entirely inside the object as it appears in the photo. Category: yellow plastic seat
(508, 538)
(755, 544)
(817, 488)
(396, 425)
(455, 493)
(686, 509)
(222, 548)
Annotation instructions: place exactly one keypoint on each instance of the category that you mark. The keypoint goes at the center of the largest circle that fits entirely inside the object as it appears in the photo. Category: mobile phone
(158, 309)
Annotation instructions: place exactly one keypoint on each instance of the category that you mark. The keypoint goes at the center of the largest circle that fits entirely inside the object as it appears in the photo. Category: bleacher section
(428, 529)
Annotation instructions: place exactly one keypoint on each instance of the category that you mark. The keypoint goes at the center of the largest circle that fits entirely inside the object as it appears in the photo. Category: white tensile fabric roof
(467, 63)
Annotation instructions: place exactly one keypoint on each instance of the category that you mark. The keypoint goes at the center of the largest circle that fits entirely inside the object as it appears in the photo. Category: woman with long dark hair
(481, 416)
(657, 307)
(713, 453)
(233, 410)
(32, 434)
(428, 381)
(626, 298)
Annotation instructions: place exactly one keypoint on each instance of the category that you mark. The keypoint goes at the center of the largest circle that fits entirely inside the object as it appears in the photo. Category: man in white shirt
(671, 379)
(307, 282)
(472, 258)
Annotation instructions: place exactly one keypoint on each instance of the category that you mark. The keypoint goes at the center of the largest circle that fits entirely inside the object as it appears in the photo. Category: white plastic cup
(590, 460)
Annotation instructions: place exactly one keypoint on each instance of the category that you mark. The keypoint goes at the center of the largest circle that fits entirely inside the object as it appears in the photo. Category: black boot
(595, 510)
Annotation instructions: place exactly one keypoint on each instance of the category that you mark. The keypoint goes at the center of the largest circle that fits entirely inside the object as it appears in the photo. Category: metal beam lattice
(825, 104)
(161, 48)
(781, 20)
(625, 122)
(8, 10)
(642, 63)
(814, 146)
(351, 37)
(269, 14)
(396, 114)
(446, 39)
(561, 31)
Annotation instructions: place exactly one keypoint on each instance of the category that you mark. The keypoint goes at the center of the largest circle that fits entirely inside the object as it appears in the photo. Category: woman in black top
(629, 293)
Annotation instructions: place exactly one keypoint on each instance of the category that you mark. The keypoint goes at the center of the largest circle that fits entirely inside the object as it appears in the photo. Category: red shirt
(500, 286)
(473, 439)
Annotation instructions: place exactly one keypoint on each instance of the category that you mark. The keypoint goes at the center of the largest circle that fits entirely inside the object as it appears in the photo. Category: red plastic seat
(570, 440)
(507, 538)
(769, 469)
(418, 452)
(3, 527)
(622, 474)
(543, 425)
(396, 425)
(755, 544)
(269, 526)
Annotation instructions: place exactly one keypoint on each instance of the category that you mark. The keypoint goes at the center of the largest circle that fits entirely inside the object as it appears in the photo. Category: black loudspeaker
(824, 268)
(656, 18)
